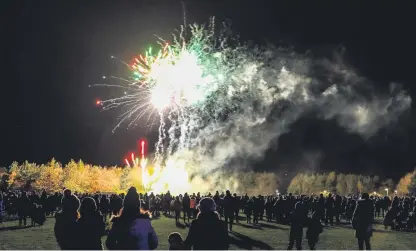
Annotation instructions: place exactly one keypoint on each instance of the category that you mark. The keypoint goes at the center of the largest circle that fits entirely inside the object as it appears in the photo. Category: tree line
(350, 184)
(85, 178)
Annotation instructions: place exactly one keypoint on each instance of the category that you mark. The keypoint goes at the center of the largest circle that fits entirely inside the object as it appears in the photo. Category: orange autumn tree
(50, 177)
(404, 183)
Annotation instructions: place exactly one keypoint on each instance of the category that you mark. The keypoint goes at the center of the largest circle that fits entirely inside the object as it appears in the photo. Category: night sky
(53, 50)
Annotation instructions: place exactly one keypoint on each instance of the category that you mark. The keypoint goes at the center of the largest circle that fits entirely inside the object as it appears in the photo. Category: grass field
(266, 236)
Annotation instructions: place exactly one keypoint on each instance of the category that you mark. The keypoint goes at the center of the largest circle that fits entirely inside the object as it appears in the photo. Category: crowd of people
(82, 217)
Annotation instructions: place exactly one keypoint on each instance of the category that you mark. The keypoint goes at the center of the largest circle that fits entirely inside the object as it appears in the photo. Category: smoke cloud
(270, 91)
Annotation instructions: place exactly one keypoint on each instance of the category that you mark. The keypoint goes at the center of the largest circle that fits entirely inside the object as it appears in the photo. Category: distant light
(395, 191)
(104, 77)
(386, 189)
(98, 102)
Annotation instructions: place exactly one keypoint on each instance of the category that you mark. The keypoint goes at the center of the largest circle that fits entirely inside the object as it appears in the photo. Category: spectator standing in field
(249, 208)
(193, 206)
(23, 208)
(186, 207)
(90, 226)
(237, 207)
(320, 207)
(229, 208)
(207, 232)
(314, 230)
(177, 207)
(337, 208)
(132, 230)
(329, 210)
(362, 221)
(268, 206)
(66, 220)
(296, 227)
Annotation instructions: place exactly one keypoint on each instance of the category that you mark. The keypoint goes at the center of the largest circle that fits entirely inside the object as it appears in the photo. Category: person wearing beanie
(90, 226)
(132, 229)
(65, 222)
(207, 231)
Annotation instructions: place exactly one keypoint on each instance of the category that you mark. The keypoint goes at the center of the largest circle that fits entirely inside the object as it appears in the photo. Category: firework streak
(215, 98)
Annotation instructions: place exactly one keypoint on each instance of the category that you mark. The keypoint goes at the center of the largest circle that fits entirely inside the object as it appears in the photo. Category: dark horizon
(54, 51)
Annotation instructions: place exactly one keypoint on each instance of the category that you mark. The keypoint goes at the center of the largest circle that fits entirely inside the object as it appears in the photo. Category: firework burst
(216, 99)
(177, 82)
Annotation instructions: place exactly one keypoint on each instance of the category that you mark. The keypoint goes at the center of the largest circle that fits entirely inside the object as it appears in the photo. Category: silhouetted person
(337, 208)
(268, 206)
(362, 221)
(65, 224)
(314, 230)
(167, 198)
(388, 219)
(186, 207)
(248, 210)
(238, 207)
(90, 226)
(23, 208)
(37, 215)
(351, 204)
(193, 206)
(257, 210)
(320, 207)
(116, 203)
(229, 209)
(207, 232)
(329, 210)
(296, 227)
(177, 207)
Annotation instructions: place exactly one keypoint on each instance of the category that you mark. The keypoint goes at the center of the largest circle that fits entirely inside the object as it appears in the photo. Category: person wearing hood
(132, 230)
(207, 232)
(362, 221)
(297, 220)
(90, 226)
